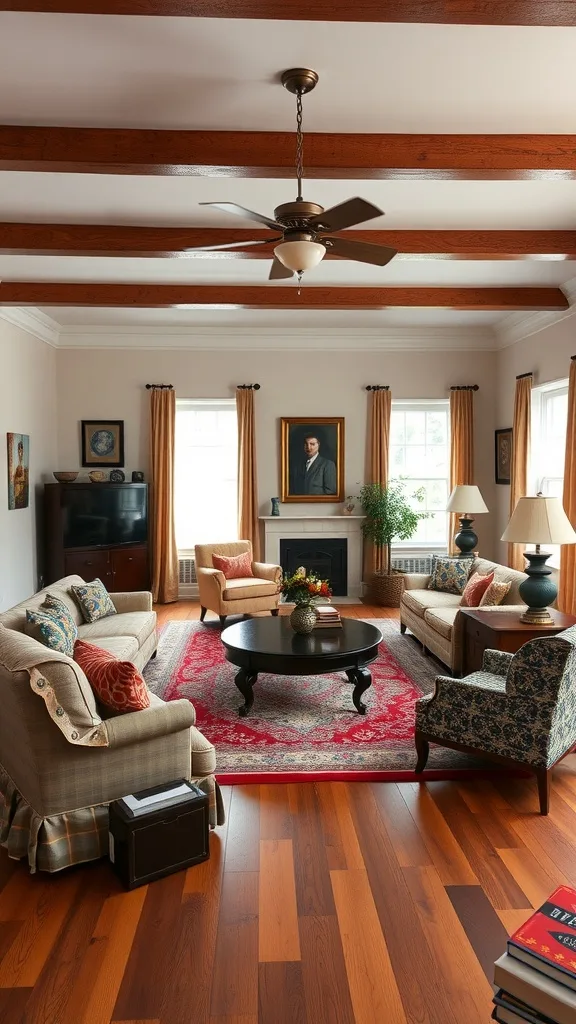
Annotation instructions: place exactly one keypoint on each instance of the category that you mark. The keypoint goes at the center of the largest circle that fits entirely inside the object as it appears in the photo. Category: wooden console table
(501, 630)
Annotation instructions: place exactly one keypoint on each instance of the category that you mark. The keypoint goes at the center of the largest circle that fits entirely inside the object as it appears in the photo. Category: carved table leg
(245, 681)
(362, 679)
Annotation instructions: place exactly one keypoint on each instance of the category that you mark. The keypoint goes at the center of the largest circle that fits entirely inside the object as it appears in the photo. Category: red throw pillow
(234, 567)
(117, 684)
(475, 589)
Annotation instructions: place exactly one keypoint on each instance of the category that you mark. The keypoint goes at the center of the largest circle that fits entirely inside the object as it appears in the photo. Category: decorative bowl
(65, 478)
(97, 476)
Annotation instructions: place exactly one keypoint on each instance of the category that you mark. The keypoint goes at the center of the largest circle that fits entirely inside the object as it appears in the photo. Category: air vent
(186, 571)
(414, 564)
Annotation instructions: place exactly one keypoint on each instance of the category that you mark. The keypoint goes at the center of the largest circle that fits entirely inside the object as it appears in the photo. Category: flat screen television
(104, 516)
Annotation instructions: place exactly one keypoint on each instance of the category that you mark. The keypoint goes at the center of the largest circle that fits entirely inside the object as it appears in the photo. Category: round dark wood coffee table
(271, 645)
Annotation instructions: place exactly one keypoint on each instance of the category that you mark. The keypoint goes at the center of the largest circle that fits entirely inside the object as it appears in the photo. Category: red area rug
(305, 726)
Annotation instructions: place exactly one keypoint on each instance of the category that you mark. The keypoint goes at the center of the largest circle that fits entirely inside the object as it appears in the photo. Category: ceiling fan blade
(232, 245)
(345, 215)
(278, 271)
(241, 211)
(364, 252)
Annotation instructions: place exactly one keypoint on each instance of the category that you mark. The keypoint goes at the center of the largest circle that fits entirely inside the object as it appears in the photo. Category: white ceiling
(222, 74)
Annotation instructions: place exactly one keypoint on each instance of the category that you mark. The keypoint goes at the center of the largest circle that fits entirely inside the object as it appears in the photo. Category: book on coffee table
(327, 617)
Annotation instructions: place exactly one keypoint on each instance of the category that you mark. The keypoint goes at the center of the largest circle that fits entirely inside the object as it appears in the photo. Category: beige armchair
(257, 593)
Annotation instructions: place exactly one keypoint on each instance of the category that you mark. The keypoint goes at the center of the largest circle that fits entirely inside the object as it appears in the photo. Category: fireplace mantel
(289, 527)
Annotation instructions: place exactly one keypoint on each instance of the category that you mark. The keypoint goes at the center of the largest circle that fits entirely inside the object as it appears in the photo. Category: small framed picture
(503, 455)
(18, 470)
(312, 458)
(102, 442)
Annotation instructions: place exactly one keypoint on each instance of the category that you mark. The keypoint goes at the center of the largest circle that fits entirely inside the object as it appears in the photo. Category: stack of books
(327, 617)
(536, 978)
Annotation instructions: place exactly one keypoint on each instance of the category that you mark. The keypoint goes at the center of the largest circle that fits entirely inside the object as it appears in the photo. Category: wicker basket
(387, 589)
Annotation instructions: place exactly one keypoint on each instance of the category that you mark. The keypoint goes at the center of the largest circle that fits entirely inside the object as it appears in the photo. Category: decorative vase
(275, 506)
(303, 618)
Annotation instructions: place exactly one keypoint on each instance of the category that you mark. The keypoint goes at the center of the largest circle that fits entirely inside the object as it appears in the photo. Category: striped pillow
(117, 684)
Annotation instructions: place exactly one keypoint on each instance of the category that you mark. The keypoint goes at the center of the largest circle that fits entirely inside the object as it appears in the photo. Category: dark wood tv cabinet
(122, 567)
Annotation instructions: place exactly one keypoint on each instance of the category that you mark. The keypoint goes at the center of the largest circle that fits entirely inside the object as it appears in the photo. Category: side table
(500, 629)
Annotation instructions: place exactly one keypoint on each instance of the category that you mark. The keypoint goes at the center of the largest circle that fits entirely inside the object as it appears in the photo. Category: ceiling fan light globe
(300, 255)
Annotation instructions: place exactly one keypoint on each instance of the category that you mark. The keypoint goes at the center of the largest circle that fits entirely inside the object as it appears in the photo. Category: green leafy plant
(389, 516)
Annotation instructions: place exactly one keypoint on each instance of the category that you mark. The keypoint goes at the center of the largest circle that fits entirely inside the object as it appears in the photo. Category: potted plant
(389, 516)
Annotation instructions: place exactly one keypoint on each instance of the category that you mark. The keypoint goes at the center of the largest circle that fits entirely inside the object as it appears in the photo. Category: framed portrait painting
(503, 455)
(18, 470)
(312, 458)
(102, 442)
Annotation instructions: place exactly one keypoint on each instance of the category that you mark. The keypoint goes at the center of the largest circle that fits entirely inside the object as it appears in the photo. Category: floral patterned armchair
(519, 710)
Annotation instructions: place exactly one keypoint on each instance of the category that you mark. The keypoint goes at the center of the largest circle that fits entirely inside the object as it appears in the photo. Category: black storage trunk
(167, 832)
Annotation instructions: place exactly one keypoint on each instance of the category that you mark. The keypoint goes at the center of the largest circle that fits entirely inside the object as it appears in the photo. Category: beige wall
(28, 406)
(110, 384)
(547, 355)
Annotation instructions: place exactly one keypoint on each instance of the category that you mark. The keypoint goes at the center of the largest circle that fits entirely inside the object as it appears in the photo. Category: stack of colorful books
(536, 978)
(327, 617)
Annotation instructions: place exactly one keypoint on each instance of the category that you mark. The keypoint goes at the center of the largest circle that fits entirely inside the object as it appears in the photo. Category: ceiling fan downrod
(299, 81)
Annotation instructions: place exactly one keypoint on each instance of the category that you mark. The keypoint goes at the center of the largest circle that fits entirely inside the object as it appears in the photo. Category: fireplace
(326, 557)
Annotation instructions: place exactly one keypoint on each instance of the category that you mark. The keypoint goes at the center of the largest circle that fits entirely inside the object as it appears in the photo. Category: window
(206, 472)
(420, 452)
(548, 444)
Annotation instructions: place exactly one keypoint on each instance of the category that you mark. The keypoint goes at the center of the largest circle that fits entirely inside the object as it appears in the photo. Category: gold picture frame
(312, 458)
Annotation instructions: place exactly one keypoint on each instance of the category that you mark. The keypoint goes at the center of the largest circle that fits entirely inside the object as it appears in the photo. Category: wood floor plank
(281, 997)
(275, 818)
(313, 889)
(199, 877)
(235, 1020)
(512, 920)
(456, 961)
(494, 826)
(531, 876)
(243, 833)
(234, 991)
(371, 980)
(481, 924)
(445, 852)
(278, 936)
(13, 1004)
(148, 967)
(324, 972)
(23, 962)
(409, 847)
(502, 890)
(335, 854)
(350, 845)
(423, 996)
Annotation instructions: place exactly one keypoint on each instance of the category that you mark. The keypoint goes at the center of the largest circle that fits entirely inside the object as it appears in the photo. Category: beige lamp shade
(466, 498)
(539, 520)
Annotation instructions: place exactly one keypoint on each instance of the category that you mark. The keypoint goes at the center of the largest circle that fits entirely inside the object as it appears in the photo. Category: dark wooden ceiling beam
(32, 293)
(271, 154)
(444, 12)
(121, 240)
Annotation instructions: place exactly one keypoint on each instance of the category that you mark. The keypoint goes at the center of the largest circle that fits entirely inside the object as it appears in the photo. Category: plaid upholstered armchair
(519, 710)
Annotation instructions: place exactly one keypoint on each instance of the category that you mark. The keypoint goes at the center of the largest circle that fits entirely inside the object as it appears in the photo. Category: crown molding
(271, 339)
(516, 326)
(32, 321)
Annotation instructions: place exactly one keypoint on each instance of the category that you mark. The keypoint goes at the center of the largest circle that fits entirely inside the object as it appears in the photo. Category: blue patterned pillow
(59, 634)
(449, 575)
(94, 601)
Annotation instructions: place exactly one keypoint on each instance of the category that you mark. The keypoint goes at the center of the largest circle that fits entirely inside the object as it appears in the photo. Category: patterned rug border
(422, 671)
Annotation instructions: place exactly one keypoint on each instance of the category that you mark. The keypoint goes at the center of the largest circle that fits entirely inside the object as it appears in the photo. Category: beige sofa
(257, 593)
(434, 617)
(64, 758)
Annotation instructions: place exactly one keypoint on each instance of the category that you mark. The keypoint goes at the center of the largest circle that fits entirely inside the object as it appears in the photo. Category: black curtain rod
(377, 387)
(159, 387)
(572, 358)
(522, 375)
(248, 387)
(465, 387)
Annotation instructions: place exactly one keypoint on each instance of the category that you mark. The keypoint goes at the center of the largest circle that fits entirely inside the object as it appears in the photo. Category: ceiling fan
(305, 229)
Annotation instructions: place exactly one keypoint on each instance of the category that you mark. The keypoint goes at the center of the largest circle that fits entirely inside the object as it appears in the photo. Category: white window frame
(209, 404)
(537, 479)
(406, 547)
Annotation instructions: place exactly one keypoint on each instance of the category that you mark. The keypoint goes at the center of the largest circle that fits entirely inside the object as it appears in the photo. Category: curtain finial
(377, 387)
(248, 387)
(159, 387)
(521, 376)
(465, 387)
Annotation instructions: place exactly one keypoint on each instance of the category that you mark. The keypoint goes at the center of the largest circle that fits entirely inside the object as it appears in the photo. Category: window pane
(205, 483)
(419, 453)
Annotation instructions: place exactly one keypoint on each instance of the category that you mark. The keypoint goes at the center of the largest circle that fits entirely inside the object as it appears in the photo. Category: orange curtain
(567, 588)
(520, 456)
(164, 552)
(379, 409)
(461, 448)
(248, 525)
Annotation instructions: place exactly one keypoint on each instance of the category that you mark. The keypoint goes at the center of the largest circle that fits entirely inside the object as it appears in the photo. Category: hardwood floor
(326, 903)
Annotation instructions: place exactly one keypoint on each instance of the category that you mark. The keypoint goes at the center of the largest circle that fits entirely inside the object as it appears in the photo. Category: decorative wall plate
(117, 476)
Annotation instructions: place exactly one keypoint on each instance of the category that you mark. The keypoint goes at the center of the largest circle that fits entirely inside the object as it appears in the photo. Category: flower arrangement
(303, 588)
